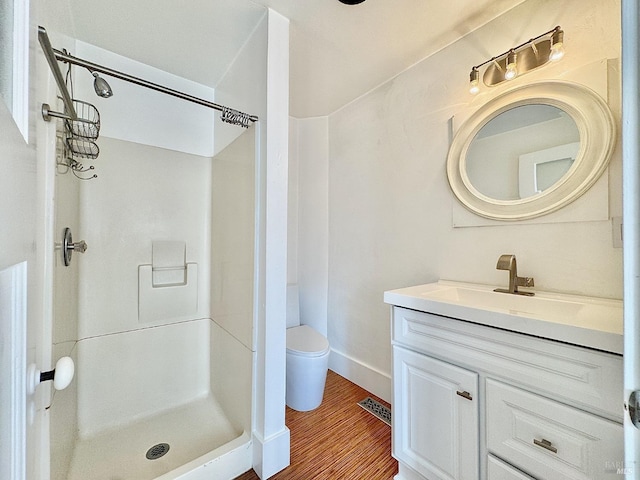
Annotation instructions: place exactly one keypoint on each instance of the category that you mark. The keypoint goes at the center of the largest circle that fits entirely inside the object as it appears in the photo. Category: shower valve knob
(68, 246)
(80, 246)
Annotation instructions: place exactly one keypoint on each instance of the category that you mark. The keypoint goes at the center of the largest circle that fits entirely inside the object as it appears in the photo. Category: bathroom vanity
(493, 386)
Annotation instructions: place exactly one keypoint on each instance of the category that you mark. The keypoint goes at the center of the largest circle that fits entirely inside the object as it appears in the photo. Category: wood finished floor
(339, 440)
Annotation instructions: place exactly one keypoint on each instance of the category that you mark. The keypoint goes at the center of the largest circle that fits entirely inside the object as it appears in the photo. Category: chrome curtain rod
(229, 115)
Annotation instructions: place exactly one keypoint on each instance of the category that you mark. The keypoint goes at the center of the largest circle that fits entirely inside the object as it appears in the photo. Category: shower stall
(167, 391)
(164, 313)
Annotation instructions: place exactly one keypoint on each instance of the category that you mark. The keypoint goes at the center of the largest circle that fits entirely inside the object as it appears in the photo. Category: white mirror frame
(595, 124)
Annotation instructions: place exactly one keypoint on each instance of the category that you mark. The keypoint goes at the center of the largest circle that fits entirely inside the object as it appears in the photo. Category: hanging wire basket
(87, 125)
(82, 148)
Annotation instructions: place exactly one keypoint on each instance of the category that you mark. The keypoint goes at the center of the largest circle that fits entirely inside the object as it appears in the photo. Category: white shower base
(203, 445)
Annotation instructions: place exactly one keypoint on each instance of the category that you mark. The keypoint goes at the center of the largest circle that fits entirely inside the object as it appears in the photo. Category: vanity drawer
(549, 440)
(575, 375)
(499, 470)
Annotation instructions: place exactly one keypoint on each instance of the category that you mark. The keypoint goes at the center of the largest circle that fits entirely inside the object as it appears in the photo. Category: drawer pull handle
(465, 394)
(546, 444)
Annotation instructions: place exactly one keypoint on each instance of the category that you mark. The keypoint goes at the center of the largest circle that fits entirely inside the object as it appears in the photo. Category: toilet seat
(305, 341)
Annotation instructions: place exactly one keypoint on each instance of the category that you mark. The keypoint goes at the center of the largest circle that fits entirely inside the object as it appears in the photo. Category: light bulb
(557, 45)
(557, 52)
(474, 86)
(512, 67)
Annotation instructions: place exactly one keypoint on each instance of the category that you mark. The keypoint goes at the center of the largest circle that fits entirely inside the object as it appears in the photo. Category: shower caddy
(78, 137)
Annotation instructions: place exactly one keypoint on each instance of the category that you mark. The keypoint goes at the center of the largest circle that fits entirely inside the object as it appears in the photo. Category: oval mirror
(531, 150)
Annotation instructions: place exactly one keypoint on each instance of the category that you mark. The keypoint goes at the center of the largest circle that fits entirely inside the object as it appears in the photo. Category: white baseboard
(271, 455)
(361, 374)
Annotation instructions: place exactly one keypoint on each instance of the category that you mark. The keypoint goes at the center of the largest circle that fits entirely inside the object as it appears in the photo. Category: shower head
(101, 86)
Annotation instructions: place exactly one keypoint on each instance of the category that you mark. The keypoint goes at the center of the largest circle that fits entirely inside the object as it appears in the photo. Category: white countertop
(585, 321)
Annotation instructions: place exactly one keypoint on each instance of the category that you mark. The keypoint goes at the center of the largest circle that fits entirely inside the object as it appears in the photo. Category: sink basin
(516, 304)
(585, 321)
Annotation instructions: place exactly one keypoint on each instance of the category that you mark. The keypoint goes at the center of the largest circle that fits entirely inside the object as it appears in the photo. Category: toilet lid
(306, 341)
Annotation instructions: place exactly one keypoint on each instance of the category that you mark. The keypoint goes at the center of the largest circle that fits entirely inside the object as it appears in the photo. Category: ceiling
(338, 52)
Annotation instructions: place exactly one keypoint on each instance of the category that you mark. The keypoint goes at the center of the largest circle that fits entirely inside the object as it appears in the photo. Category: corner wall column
(271, 441)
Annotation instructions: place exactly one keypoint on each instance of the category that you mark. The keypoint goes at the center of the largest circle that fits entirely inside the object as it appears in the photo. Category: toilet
(307, 359)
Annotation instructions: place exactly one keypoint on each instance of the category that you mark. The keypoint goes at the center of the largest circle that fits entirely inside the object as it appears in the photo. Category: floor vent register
(376, 408)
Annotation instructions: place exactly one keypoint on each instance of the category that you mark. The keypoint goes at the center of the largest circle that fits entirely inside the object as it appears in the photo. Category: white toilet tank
(307, 363)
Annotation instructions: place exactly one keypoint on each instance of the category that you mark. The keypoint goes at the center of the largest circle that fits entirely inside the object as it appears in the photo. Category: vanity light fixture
(534, 53)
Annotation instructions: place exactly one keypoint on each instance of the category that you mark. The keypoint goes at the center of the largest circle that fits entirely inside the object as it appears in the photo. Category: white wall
(142, 194)
(292, 202)
(243, 86)
(390, 206)
(233, 237)
(313, 221)
(308, 210)
(232, 277)
(141, 115)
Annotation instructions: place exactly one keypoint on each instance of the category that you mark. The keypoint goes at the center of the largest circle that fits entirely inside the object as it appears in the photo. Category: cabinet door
(435, 417)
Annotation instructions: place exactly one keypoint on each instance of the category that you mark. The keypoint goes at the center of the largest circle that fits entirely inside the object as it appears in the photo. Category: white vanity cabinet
(475, 402)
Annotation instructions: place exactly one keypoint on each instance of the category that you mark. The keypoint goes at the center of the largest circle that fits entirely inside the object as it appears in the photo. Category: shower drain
(157, 451)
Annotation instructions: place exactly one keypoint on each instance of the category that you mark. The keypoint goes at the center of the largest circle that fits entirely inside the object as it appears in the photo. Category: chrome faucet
(508, 262)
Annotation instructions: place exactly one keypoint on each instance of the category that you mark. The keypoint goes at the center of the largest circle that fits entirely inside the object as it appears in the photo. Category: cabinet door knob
(464, 394)
(546, 444)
